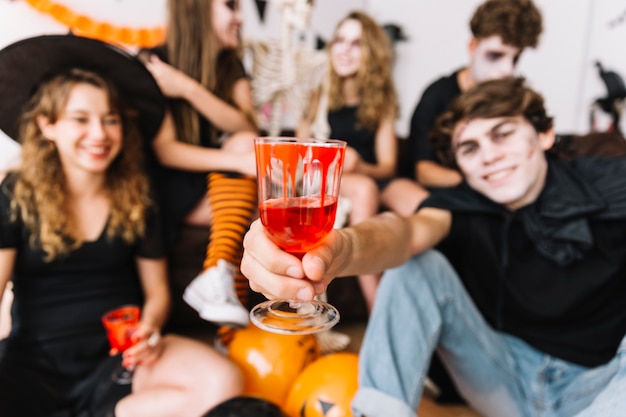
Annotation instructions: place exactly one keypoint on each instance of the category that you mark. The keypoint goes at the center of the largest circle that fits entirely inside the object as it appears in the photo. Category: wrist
(154, 338)
(151, 323)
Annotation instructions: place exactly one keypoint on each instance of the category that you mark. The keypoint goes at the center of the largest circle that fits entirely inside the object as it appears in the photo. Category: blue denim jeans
(422, 307)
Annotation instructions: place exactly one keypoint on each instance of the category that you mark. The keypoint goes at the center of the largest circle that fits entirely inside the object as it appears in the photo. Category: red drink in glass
(298, 224)
(120, 325)
(298, 191)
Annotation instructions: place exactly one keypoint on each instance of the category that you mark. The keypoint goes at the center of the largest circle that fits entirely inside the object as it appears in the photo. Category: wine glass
(120, 324)
(298, 191)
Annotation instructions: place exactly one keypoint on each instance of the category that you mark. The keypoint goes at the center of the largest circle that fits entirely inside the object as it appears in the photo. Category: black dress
(179, 191)
(55, 361)
(344, 125)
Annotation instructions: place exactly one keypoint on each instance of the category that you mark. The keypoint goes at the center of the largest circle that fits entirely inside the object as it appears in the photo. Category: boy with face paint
(528, 316)
(501, 30)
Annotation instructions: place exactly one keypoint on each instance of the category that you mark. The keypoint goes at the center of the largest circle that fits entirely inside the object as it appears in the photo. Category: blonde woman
(359, 104)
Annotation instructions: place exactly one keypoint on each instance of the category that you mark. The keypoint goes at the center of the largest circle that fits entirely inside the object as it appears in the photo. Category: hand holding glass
(120, 324)
(298, 191)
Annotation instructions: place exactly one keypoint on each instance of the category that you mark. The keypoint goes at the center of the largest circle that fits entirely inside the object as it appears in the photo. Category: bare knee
(192, 369)
(201, 214)
(240, 142)
(403, 196)
(362, 192)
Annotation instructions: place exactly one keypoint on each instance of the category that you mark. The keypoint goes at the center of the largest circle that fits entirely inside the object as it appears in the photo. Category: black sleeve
(152, 245)
(607, 176)
(9, 231)
(423, 119)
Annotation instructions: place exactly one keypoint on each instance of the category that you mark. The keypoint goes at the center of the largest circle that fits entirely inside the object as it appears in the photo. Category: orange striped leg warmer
(233, 201)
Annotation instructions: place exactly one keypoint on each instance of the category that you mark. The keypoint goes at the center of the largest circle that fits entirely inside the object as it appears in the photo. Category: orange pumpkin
(325, 388)
(270, 362)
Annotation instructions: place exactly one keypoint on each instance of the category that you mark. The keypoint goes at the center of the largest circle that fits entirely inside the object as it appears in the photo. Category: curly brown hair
(39, 197)
(517, 22)
(375, 79)
(496, 98)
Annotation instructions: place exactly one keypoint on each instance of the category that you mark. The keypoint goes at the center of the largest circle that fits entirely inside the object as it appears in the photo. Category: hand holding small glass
(125, 332)
(298, 191)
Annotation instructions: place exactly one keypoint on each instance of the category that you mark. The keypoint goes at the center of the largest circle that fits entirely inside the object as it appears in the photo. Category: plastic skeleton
(284, 73)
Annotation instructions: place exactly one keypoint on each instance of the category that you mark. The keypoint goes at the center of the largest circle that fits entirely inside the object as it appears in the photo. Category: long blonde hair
(39, 196)
(377, 94)
(193, 48)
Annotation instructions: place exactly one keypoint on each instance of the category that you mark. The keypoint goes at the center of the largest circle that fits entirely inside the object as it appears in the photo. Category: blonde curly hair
(39, 197)
(375, 79)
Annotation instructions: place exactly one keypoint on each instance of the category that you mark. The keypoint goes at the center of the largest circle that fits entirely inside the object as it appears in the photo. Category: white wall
(576, 34)
(324, 17)
(607, 43)
(13, 18)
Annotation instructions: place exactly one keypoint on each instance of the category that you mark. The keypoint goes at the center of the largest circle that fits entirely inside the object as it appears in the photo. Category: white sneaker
(212, 295)
(431, 390)
(330, 341)
(344, 207)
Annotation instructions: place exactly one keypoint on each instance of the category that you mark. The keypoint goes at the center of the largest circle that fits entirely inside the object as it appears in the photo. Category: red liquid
(120, 338)
(298, 224)
(120, 325)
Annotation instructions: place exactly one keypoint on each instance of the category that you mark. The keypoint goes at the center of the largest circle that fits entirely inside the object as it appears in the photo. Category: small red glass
(120, 324)
(298, 191)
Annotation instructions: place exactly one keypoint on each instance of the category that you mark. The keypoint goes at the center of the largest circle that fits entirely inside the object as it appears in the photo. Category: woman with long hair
(79, 237)
(209, 131)
(358, 103)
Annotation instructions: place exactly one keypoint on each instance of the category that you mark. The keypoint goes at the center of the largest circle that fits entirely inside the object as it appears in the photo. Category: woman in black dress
(359, 104)
(78, 237)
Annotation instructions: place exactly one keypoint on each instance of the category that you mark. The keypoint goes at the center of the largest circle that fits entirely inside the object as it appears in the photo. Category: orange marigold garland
(86, 26)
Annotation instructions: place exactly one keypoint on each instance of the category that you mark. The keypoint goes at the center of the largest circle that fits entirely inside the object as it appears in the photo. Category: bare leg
(201, 214)
(187, 380)
(220, 292)
(403, 196)
(234, 205)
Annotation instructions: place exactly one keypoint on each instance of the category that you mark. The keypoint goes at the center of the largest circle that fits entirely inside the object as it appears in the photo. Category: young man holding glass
(529, 315)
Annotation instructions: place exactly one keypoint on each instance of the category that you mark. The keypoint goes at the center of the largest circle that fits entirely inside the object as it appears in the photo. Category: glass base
(122, 375)
(294, 317)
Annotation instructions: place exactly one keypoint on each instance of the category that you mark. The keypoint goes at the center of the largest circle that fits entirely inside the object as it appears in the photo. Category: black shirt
(344, 126)
(51, 359)
(435, 100)
(179, 191)
(552, 273)
(66, 297)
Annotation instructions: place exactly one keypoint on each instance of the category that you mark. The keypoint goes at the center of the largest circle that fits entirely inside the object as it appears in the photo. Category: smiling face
(226, 20)
(87, 134)
(502, 158)
(346, 50)
(491, 59)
